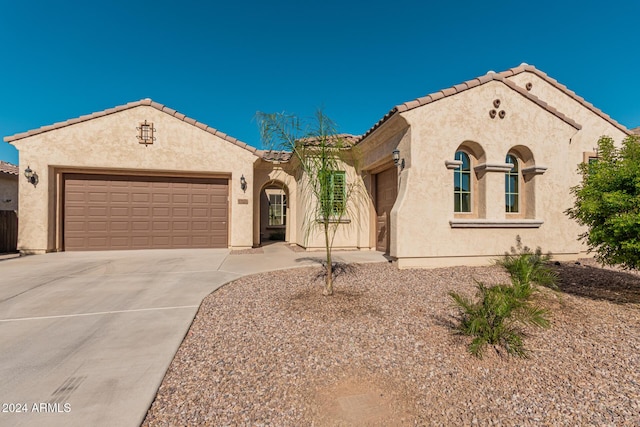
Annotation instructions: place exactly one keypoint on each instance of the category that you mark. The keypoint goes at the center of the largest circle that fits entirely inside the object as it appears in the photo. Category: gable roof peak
(143, 102)
(524, 67)
(501, 77)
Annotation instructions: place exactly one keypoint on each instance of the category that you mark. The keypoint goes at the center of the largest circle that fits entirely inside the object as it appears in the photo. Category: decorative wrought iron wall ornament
(492, 114)
(496, 103)
(501, 114)
(145, 133)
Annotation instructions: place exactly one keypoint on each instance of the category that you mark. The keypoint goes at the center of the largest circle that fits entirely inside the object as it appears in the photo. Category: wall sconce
(31, 176)
(396, 159)
(243, 184)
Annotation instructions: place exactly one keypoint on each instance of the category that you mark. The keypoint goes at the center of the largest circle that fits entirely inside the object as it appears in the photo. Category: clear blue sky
(220, 62)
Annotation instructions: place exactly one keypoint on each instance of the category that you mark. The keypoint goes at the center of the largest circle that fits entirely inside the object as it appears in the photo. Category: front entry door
(386, 184)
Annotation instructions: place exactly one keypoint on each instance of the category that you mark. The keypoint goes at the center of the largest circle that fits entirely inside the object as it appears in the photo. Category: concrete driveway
(86, 338)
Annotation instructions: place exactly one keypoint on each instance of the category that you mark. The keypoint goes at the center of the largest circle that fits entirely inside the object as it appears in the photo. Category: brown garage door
(386, 193)
(104, 212)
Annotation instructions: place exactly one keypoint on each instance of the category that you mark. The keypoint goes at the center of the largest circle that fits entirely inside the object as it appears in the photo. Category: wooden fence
(8, 231)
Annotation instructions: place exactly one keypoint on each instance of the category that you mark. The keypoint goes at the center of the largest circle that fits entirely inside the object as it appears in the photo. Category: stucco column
(493, 176)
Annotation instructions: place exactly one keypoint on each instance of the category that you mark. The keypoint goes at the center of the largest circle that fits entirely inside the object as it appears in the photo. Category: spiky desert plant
(528, 268)
(496, 318)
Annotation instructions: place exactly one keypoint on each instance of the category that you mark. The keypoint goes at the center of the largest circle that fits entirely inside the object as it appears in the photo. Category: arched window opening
(512, 185)
(462, 183)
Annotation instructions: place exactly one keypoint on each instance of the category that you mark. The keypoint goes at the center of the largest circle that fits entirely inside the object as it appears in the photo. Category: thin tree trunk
(328, 290)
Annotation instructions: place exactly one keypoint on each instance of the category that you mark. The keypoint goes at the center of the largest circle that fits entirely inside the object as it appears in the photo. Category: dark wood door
(386, 184)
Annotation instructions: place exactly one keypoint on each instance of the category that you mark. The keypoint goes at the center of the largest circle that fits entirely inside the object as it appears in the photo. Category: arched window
(462, 184)
(512, 185)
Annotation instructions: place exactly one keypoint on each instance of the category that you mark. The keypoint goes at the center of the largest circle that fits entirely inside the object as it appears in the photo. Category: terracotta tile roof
(275, 156)
(636, 130)
(526, 67)
(348, 139)
(147, 102)
(8, 168)
(489, 77)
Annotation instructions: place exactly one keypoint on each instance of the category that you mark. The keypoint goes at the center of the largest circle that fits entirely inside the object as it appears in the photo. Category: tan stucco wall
(8, 192)
(421, 232)
(109, 143)
(353, 233)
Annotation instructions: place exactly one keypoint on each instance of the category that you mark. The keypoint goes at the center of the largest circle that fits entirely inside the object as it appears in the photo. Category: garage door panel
(97, 226)
(119, 211)
(160, 226)
(180, 212)
(98, 197)
(77, 226)
(126, 212)
(199, 213)
(200, 225)
(76, 211)
(140, 242)
(75, 196)
(98, 241)
(199, 241)
(180, 226)
(120, 226)
(160, 211)
(97, 211)
(119, 197)
(161, 241)
(201, 199)
(140, 212)
(160, 198)
(140, 197)
(180, 198)
(180, 241)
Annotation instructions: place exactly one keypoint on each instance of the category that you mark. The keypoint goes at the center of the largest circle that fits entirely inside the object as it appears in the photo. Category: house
(8, 207)
(8, 186)
(476, 164)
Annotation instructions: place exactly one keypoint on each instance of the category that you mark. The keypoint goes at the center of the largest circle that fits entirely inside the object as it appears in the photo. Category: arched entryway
(274, 212)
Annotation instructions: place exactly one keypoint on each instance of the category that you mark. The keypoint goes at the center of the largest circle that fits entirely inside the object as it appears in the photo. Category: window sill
(490, 223)
(335, 221)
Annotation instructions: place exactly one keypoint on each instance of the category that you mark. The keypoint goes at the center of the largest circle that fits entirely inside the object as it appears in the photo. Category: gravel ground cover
(270, 350)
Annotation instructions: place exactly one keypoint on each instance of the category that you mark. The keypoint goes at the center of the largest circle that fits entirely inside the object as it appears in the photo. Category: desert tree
(607, 202)
(320, 153)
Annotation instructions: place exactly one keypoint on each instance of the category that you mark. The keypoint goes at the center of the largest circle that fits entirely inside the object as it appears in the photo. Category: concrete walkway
(86, 337)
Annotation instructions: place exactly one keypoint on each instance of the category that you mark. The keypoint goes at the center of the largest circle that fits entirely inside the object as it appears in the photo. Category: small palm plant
(495, 318)
(528, 268)
(499, 313)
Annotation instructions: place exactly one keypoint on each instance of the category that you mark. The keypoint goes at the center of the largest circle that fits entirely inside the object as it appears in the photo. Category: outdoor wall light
(31, 176)
(243, 184)
(396, 159)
